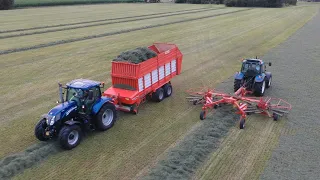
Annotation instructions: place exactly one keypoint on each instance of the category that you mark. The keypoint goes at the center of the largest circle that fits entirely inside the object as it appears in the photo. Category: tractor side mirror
(102, 85)
(269, 63)
(90, 95)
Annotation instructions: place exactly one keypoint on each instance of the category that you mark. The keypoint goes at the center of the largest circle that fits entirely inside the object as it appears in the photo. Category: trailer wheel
(167, 90)
(259, 88)
(203, 115)
(242, 123)
(70, 136)
(236, 85)
(158, 96)
(106, 117)
(275, 116)
(39, 130)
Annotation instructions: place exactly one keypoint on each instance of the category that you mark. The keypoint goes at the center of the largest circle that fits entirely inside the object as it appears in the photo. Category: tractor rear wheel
(70, 136)
(158, 96)
(259, 88)
(236, 85)
(40, 130)
(106, 117)
(268, 82)
(167, 90)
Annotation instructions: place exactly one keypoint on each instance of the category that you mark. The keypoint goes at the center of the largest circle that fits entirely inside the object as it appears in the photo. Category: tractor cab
(84, 92)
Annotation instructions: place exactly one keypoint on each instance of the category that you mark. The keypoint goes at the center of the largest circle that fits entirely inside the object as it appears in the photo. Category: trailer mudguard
(260, 78)
(239, 76)
(97, 106)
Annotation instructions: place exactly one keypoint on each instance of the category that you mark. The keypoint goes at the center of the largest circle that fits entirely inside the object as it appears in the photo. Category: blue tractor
(253, 76)
(82, 109)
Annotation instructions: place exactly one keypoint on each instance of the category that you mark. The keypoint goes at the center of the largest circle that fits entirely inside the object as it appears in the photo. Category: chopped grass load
(137, 55)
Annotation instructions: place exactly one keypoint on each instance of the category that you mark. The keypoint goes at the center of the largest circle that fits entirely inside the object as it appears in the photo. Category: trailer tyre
(167, 90)
(242, 123)
(158, 96)
(259, 88)
(236, 85)
(106, 117)
(70, 136)
(39, 130)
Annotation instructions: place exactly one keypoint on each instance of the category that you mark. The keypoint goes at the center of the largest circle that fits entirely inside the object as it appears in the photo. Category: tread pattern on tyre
(64, 133)
(99, 124)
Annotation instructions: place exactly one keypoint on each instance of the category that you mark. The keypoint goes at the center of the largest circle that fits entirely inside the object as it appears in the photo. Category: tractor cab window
(250, 66)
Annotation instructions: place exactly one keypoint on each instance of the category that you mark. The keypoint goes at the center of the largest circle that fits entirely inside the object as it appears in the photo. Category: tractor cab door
(94, 94)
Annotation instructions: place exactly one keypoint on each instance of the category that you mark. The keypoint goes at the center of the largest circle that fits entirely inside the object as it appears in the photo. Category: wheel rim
(107, 117)
(169, 91)
(263, 87)
(160, 95)
(73, 137)
(269, 84)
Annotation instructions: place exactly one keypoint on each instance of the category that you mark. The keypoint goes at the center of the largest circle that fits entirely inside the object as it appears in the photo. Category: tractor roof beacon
(253, 76)
(83, 108)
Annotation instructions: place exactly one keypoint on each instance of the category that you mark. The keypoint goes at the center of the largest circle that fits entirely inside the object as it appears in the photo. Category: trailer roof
(83, 84)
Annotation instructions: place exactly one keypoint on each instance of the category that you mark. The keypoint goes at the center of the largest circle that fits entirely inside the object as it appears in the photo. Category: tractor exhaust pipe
(61, 93)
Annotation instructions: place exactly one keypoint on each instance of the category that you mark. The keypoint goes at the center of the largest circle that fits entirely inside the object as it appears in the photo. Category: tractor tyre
(203, 115)
(40, 130)
(106, 117)
(259, 88)
(158, 96)
(236, 85)
(167, 90)
(268, 82)
(70, 136)
(242, 123)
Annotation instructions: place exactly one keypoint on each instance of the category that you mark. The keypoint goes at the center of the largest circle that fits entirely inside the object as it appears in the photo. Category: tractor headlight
(52, 120)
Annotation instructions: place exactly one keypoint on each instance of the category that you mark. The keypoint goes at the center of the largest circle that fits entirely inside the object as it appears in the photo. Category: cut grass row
(64, 15)
(65, 41)
(109, 155)
(35, 3)
(101, 24)
(101, 20)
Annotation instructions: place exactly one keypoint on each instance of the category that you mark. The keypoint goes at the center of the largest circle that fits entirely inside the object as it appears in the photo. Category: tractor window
(96, 92)
(74, 94)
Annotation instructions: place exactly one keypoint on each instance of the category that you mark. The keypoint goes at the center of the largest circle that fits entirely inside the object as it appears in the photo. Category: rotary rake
(212, 99)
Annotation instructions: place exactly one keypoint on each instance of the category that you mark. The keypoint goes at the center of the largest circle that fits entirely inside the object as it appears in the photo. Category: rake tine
(279, 111)
(280, 114)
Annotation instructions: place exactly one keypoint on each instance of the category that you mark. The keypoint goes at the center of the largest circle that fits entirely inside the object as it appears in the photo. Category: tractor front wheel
(70, 136)
(259, 88)
(237, 84)
(106, 117)
(40, 130)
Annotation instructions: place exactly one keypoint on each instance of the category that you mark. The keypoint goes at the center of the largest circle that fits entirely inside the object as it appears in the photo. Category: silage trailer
(132, 84)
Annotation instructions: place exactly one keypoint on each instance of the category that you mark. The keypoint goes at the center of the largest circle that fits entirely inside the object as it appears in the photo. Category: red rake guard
(210, 98)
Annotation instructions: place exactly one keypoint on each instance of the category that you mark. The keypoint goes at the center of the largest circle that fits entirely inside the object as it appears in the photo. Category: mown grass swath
(109, 34)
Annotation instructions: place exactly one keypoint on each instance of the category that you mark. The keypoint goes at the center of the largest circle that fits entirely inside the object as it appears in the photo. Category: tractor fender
(96, 108)
(239, 76)
(71, 122)
(268, 74)
(259, 78)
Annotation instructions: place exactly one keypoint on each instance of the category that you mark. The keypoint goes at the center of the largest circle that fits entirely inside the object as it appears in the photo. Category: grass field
(45, 47)
(35, 3)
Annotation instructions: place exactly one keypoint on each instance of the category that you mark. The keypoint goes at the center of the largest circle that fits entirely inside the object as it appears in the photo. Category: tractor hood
(60, 111)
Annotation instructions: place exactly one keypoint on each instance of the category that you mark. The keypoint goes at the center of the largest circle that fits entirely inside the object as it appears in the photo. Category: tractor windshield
(74, 94)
